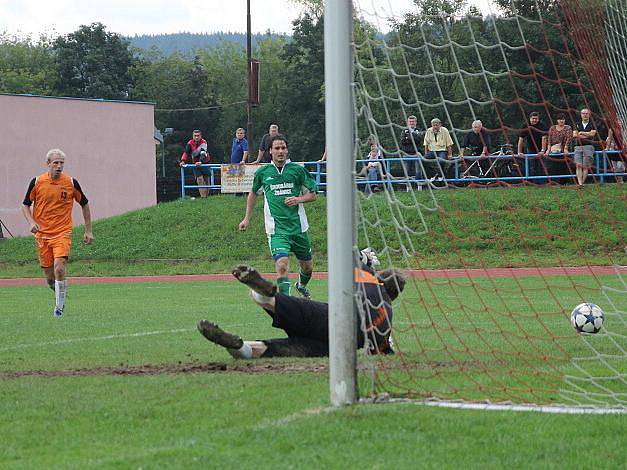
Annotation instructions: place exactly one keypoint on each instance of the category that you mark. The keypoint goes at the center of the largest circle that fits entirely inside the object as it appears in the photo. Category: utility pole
(249, 102)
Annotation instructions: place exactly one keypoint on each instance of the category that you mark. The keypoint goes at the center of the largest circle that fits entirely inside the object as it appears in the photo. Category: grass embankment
(445, 229)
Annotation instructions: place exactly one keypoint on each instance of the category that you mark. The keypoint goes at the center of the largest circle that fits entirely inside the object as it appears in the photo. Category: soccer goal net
(498, 240)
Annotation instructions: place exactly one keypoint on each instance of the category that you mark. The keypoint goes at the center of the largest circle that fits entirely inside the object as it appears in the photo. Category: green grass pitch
(272, 419)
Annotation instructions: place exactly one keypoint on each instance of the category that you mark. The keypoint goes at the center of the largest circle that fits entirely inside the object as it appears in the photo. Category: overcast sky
(130, 17)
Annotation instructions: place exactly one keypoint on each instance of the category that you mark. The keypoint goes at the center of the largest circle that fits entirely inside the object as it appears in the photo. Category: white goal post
(340, 214)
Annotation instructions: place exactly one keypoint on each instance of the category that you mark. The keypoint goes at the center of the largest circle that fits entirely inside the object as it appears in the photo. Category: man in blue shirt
(239, 147)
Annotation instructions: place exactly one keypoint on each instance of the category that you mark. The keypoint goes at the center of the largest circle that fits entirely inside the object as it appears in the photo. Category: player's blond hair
(52, 152)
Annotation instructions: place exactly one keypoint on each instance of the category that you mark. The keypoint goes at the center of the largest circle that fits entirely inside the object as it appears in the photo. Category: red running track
(421, 274)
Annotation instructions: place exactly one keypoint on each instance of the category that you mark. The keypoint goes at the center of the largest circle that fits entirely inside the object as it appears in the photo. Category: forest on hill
(186, 44)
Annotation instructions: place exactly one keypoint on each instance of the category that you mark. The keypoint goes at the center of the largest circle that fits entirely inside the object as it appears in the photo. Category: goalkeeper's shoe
(251, 277)
(302, 290)
(217, 335)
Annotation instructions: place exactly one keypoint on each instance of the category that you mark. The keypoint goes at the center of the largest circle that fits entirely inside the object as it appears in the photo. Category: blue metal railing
(395, 165)
(600, 168)
(212, 178)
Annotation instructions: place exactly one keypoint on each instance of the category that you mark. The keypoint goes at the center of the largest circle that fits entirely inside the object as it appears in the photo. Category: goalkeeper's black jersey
(375, 309)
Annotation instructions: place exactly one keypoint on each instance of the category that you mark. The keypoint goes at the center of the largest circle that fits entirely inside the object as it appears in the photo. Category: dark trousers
(411, 168)
(436, 164)
(306, 323)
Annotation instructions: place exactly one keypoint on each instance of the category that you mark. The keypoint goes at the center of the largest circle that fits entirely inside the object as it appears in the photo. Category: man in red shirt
(196, 153)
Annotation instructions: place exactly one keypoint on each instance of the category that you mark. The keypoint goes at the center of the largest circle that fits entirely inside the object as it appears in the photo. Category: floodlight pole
(340, 200)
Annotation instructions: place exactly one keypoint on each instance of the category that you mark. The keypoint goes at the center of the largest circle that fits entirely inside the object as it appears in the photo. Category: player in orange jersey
(51, 197)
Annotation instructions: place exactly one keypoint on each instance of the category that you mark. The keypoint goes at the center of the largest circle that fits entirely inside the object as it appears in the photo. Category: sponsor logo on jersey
(282, 189)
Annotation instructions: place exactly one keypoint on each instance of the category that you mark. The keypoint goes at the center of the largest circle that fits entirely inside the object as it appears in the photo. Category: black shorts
(295, 347)
(306, 323)
(300, 317)
(200, 171)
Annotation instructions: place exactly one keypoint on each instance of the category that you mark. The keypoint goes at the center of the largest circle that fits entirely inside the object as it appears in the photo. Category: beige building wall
(109, 146)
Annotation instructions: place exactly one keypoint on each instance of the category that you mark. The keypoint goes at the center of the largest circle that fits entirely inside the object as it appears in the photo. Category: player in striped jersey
(47, 208)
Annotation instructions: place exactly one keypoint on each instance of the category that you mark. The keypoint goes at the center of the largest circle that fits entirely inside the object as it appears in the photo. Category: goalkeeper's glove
(368, 257)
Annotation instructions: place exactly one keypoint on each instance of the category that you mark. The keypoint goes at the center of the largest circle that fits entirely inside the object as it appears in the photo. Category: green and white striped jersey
(276, 184)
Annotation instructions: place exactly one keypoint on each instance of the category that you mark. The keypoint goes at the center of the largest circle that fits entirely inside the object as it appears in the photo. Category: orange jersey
(53, 200)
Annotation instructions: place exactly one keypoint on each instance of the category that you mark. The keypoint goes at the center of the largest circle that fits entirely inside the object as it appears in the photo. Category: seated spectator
(374, 167)
(239, 147)
(532, 140)
(558, 141)
(410, 143)
(617, 160)
(439, 148)
(196, 152)
(478, 143)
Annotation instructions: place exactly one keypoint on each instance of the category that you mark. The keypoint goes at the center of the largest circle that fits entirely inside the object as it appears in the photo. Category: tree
(303, 97)
(226, 66)
(26, 66)
(314, 8)
(443, 8)
(527, 8)
(93, 63)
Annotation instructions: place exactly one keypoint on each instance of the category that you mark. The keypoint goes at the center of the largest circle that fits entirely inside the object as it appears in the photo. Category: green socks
(304, 278)
(283, 283)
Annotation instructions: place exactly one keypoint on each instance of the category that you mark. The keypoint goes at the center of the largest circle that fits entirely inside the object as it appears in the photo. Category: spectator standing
(438, 146)
(196, 152)
(263, 156)
(532, 139)
(558, 142)
(587, 140)
(478, 143)
(239, 147)
(411, 137)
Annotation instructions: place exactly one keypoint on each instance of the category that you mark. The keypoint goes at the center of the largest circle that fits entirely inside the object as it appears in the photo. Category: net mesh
(498, 247)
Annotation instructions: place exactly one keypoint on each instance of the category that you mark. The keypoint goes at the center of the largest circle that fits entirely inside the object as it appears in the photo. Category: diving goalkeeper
(306, 322)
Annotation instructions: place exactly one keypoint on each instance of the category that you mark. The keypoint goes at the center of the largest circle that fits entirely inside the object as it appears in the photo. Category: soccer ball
(587, 318)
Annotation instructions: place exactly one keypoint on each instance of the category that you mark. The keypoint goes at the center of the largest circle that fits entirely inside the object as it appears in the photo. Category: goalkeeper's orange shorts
(50, 248)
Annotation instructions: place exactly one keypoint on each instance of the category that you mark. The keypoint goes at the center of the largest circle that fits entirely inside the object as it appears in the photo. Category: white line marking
(95, 338)
(110, 337)
(293, 417)
(559, 409)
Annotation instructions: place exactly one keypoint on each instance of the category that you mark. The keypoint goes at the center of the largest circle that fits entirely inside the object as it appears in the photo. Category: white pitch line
(95, 338)
(293, 417)
(109, 337)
